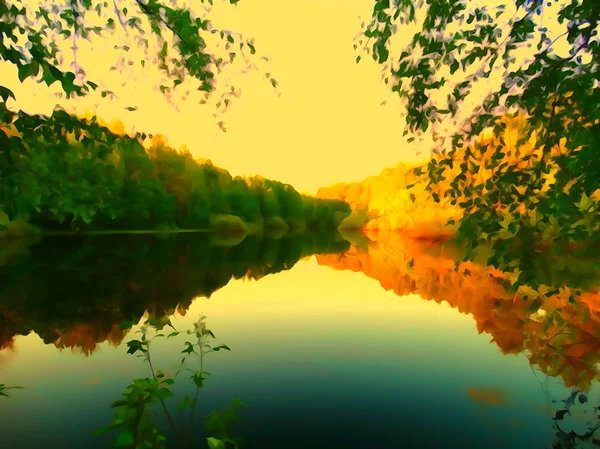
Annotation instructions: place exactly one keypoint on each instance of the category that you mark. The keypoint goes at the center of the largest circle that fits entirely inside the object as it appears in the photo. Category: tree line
(65, 173)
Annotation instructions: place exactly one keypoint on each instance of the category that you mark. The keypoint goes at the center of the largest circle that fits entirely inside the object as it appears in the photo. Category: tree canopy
(179, 39)
(537, 50)
(539, 60)
(62, 172)
(536, 180)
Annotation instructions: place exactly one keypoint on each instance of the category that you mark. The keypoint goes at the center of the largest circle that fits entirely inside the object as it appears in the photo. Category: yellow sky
(327, 126)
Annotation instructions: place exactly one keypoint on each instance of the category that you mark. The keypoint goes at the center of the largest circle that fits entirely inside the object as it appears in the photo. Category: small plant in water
(4, 389)
(133, 416)
(577, 422)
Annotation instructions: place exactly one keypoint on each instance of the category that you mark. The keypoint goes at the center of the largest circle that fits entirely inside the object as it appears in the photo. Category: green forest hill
(73, 174)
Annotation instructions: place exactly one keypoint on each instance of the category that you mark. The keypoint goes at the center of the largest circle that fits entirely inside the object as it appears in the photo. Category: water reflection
(76, 292)
(560, 333)
(324, 357)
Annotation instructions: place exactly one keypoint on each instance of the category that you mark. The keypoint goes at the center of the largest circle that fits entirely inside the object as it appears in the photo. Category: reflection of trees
(560, 333)
(76, 292)
(575, 421)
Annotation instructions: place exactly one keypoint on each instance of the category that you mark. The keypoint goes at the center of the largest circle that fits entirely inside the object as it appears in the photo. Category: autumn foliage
(559, 335)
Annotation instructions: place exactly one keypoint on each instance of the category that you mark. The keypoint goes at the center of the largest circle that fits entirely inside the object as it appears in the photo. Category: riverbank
(95, 179)
(228, 226)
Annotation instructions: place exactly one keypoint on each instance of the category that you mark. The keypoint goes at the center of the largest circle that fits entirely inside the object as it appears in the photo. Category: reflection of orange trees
(8, 324)
(7, 343)
(87, 336)
(559, 337)
(77, 292)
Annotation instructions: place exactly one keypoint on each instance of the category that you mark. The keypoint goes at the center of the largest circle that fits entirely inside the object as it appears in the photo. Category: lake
(335, 343)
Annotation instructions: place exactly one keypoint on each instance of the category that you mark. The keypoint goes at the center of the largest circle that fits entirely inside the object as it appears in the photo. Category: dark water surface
(380, 347)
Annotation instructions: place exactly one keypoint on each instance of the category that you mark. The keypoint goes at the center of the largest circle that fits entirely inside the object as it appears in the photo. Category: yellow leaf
(570, 184)
(525, 290)
(538, 152)
(507, 221)
(521, 189)
(585, 203)
(514, 276)
(533, 216)
(550, 177)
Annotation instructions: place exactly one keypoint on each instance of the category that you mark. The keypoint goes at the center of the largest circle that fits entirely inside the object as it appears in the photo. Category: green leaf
(198, 380)
(164, 393)
(124, 439)
(119, 403)
(101, 431)
(6, 93)
(213, 443)
(28, 70)
(136, 345)
(68, 84)
(4, 220)
(207, 332)
(183, 403)
(189, 348)
(218, 348)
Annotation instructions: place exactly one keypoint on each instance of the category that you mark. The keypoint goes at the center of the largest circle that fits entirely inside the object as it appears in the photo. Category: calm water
(333, 345)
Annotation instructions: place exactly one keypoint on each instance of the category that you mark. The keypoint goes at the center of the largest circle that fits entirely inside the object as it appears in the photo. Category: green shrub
(276, 223)
(229, 223)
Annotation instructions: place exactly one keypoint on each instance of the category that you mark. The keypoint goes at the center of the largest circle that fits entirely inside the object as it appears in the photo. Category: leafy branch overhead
(460, 44)
(516, 87)
(181, 42)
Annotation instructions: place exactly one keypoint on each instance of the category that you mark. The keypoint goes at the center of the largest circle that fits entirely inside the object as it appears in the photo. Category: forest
(64, 173)
(533, 180)
(506, 95)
